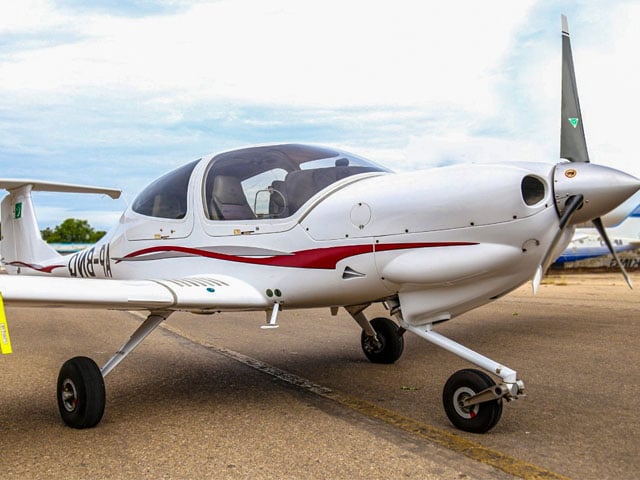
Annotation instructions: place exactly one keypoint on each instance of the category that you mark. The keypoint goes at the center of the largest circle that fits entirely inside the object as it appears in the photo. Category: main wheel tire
(81, 393)
(391, 343)
(479, 418)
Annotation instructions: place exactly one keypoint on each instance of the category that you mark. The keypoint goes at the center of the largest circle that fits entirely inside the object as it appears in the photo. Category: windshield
(274, 181)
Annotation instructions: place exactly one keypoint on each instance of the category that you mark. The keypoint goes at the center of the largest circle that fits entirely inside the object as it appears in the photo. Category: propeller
(573, 144)
(583, 191)
(603, 234)
(573, 204)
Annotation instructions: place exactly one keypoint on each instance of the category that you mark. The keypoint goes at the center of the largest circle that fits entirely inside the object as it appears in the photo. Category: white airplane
(587, 243)
(295, 226)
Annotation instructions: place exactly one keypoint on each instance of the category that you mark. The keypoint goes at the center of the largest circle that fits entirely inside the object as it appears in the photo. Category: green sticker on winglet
(574, 122)
(17, 212)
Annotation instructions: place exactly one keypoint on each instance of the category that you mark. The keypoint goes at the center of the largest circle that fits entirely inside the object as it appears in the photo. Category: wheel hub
(373, 344)
(69, 395)
(460, 395)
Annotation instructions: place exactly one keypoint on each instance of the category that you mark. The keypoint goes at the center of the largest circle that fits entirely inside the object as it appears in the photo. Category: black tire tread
(389, 334)
(86, 376)
(489, 412)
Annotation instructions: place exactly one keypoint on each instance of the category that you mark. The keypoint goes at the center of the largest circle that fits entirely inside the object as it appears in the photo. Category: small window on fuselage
(167, 197)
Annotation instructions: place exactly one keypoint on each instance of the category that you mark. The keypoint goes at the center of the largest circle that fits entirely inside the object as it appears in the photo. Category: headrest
(228, 190)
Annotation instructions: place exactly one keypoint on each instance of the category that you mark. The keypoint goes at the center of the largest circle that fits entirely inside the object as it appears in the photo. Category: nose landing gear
(471, 399)
(477, 417)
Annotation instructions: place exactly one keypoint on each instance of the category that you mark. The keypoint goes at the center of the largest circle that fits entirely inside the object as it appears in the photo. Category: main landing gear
(471, 399)
(81, 392)
(381, 338)
(387, 345)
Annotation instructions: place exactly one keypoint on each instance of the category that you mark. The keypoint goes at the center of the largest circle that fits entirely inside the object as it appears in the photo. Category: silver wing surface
(200, 294)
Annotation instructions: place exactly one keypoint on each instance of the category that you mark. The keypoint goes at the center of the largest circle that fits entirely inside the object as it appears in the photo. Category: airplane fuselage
(364, 238)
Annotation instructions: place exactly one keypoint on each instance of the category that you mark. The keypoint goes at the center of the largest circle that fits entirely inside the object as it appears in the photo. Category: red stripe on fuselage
(319, 258)
(38, 268)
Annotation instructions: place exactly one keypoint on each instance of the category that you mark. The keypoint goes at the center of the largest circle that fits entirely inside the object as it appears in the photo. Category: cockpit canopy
(274, 181)
(252, 183)
(166, 197)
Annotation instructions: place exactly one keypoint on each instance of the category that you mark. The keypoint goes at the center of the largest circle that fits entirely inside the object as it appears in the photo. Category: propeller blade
(573, 145)
(603, 234)
(571, 207)
(601, 189)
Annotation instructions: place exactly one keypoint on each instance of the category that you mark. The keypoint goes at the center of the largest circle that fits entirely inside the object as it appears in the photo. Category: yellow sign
(5, 341)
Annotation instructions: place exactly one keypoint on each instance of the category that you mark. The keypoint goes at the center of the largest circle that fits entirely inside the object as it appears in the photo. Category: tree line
(72, 230)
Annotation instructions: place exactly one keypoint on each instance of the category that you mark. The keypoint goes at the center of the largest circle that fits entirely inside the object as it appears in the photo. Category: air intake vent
(197, 282)
(351, 273)
(533, 190)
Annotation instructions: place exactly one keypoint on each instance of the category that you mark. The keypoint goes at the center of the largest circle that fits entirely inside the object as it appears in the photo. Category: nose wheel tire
(478, 418)
(389, 345)
(81, 393)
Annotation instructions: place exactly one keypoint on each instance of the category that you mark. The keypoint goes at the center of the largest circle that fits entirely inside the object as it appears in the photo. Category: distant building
(69, 248)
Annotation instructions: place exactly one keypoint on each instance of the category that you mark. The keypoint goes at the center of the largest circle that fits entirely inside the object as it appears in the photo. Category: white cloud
(116, 98)
(51, 216)
(285, 51)
(28, 16)
(442, 149)
(525, 125)
(609, 78)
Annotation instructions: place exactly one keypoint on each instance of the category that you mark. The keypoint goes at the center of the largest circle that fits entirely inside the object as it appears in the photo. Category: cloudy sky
(105, 94)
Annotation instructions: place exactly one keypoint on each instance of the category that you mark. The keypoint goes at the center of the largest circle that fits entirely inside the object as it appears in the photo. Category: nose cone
(603, 188)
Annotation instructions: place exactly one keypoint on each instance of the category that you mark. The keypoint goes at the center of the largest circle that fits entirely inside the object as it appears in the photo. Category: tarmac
(218, 397)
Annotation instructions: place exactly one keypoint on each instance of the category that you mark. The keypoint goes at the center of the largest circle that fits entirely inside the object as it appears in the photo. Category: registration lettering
(90, 262)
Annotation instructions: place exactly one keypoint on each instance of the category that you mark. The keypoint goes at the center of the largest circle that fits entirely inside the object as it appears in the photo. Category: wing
(580, 236)
(201, 294)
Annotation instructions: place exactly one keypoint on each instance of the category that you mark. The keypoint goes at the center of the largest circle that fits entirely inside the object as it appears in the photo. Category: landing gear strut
(81, 391)
(381, 338)
(471, 399)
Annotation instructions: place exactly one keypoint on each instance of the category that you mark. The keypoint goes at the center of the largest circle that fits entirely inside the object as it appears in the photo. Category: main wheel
(390, 343)
(81, 393)
(479, 418)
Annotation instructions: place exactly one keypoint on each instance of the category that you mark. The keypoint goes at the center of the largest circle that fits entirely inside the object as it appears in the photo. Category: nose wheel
(475, 418)
(81, 393)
